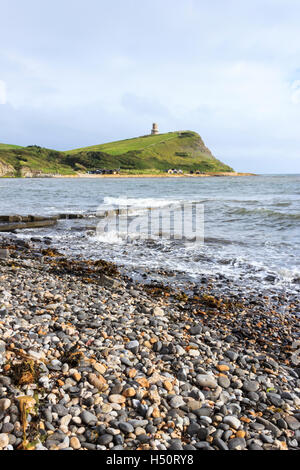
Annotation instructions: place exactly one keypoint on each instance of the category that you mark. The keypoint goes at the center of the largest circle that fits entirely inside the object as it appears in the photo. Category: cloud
(228, 70)
(295, 88)
(2, 92)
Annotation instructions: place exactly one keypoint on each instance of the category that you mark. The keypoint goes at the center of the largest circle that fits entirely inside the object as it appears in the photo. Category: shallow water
(251, 224)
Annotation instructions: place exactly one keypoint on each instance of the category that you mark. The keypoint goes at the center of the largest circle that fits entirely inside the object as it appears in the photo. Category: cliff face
(6, 169)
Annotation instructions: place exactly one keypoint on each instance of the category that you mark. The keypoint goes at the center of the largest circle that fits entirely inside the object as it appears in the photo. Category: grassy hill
(31, 161)
(183, 150)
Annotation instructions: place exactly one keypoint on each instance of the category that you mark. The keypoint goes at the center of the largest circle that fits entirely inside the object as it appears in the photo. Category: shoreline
(150, 175)
(108, 363)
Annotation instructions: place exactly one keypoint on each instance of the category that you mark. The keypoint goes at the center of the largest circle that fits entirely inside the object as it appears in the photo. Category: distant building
(154, 130)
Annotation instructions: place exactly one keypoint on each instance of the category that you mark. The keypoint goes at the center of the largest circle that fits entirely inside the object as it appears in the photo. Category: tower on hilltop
(154, 129)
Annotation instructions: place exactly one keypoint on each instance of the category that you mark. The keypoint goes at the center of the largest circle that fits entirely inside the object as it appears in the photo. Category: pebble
(88, 417)
(251, 386)
(4, 404)
(177, 402)
(205, 380)
(116, 398)
(232, 421)
(75, 443)
(135, 369)
(4, 440)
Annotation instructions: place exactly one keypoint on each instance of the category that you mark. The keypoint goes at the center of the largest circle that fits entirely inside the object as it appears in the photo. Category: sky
(75, 73)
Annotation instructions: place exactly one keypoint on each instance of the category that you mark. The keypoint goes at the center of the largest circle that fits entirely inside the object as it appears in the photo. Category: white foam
(140, 202)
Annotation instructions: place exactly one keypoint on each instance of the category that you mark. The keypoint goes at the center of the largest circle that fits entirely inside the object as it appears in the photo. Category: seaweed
(24, 372)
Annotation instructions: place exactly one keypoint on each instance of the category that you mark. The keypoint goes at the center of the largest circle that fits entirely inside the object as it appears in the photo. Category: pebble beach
(91, 359)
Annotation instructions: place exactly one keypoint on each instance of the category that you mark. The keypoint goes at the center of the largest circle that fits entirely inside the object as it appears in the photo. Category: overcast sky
(76, 73)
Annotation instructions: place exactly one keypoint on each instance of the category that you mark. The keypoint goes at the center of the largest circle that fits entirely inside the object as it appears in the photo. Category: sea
(244, 228)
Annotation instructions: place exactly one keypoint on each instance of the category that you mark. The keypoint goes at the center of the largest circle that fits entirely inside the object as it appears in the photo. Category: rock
(222, 367)
(220, 444)
(270, 426)
(193, 428)
(4, 253)
(175, 444)
(193, 404)
(98, 381)
(195, 330)
(75, 443)
(206, 380)
(133, 346)
(4, 404)
(99, 368)
(4, 440)
(224, 382)
(158, 312)
(177, 402)
(129, 392)
(88, 418)
(126, 427)
(105, 439)
(292, 422)
(232, 421)
(232, 355)
(237, 443)
(116, 398)
(250, 386)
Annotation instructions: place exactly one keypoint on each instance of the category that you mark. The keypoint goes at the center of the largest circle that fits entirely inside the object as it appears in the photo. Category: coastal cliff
(184, 151)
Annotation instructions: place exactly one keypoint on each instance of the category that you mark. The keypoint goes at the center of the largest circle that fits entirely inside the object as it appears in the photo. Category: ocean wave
(139, 202)
(265, 212)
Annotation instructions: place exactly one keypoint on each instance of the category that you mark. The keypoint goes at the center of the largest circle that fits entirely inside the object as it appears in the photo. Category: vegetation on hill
(150, 153)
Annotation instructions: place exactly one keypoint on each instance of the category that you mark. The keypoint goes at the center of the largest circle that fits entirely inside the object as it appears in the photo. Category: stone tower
(154, 128)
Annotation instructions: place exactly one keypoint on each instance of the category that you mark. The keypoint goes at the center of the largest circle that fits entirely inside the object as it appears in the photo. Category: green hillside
(183, 150)
(9, 147)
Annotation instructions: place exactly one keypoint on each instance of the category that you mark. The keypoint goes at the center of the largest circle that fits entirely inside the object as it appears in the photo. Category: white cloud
(2, 92)
(295, 97)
